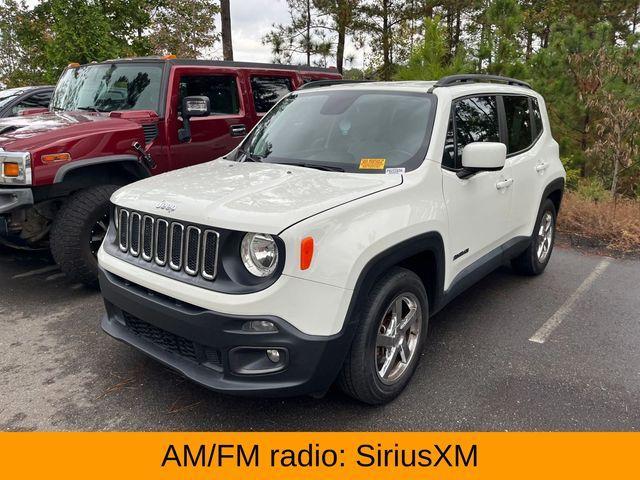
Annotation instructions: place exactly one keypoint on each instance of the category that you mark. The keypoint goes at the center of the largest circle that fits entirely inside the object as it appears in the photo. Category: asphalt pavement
(556, 352)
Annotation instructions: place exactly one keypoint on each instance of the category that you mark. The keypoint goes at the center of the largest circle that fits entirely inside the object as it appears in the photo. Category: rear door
(478, 207)
(220, 132)
(526, 156)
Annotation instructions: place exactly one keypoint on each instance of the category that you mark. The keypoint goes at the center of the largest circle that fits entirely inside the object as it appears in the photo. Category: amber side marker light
(306, 252)
(55, 158)
(10, 169)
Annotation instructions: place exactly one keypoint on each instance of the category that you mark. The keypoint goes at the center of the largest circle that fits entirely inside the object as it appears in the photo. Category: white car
(319, 248)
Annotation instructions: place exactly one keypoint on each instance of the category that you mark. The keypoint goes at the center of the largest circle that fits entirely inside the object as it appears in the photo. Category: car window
(449, 152)
(475, 119)
(222, 91)
(537, 116)
(109, 87)
(37, 100)
(268, 90)
(518, 118)
(356, 131)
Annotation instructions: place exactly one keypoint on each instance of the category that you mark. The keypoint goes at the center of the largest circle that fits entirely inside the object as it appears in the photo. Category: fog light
(273, 355)
(260, 326)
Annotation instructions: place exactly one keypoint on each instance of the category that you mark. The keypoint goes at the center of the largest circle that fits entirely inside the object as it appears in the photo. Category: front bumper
(202, 344)
(14, 198)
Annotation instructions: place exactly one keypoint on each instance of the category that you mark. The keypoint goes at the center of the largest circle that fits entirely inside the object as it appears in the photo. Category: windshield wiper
(317, 166)
(250, 157)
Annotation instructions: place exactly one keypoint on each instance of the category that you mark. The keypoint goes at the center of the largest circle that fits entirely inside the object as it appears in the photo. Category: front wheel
(387, 346)
(78, 230)
(535, 258)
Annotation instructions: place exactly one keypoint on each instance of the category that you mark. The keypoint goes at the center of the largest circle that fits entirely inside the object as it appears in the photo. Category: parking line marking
(31, 273)
(556, 319)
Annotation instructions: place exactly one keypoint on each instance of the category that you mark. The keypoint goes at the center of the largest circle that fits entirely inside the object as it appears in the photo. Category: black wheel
(78, 230)
(535, 258)
(387, 346)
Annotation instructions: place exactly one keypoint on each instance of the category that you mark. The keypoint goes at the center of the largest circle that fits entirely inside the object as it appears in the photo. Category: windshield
(350, 130)
(7, 95)
(109, 87)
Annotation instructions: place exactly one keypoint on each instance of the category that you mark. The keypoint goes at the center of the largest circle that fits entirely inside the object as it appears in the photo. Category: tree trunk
(342, 34)
(308, 38)
(614, 182)
(386, 43)
(456, 37)
(225, 17)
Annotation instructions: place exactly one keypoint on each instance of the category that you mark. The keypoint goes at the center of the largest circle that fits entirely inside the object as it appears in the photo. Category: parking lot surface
(556, 352)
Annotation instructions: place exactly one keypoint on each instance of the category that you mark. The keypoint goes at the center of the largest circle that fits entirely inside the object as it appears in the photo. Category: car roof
(218, 63)
(421, 86)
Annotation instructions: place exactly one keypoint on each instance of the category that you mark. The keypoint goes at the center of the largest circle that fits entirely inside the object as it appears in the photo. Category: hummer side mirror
(194, 106)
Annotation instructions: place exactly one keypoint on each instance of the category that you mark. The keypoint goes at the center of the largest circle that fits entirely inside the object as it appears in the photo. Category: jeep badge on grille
(164, 205)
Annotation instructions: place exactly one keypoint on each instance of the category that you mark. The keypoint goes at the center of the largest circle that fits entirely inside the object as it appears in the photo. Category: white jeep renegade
(319, 248)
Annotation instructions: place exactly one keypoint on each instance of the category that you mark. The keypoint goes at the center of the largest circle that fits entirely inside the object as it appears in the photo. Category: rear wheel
(535, 258)
(387, 347)
(78, 231)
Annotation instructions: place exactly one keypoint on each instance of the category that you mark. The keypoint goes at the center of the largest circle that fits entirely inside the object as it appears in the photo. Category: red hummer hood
(33, 132)
(84, 136)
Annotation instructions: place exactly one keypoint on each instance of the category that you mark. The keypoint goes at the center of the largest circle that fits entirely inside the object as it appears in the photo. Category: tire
(360, 376)
(530, 262)
(72, 230)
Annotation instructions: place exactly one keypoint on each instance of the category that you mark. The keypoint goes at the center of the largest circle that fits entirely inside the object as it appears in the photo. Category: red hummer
(116, 122)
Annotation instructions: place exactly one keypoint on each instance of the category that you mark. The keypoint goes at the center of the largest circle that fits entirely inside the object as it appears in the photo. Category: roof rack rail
(328, 83)
(466, 78)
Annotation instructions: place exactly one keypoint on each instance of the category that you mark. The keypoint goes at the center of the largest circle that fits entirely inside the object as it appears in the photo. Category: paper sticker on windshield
(372, 163)
(391, 171)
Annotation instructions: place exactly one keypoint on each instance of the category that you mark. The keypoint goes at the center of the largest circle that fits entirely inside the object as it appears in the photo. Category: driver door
(220, 132)
(479, 207)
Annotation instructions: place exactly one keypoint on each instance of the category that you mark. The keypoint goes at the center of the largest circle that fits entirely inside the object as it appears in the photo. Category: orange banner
(321, 456)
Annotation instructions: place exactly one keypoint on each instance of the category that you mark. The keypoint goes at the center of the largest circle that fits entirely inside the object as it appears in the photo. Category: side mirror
(482, 156)
(194, 106)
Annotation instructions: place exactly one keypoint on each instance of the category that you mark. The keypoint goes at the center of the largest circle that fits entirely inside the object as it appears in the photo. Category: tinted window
(221, 90)
(268, 90)
(449, 152)
(37, 100)
(475, 120)
(6, 96)
(519, 129)
(537, 117)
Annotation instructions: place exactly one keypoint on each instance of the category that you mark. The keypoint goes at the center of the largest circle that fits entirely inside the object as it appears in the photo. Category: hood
(30, 132)
(252, 197)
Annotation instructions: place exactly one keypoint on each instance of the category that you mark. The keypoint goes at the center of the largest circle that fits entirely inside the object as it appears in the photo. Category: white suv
(318, 249)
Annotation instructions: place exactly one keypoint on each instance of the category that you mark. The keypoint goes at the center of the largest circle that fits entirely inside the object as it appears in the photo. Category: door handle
(238, 130)
(504, 184)
(541, 167)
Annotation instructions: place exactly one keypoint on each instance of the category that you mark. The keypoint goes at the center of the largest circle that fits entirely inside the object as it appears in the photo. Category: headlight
(259, 254)
(15, 168)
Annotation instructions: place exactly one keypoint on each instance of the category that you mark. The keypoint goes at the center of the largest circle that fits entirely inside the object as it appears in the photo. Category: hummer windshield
(367, 131)
(109, 87)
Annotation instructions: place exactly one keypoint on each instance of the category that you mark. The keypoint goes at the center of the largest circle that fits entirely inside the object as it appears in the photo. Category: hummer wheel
(78, 230)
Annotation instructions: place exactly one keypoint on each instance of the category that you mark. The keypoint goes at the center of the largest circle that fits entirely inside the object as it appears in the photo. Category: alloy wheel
(398, 337)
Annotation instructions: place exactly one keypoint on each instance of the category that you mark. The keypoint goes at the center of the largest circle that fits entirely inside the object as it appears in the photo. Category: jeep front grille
(175, 245)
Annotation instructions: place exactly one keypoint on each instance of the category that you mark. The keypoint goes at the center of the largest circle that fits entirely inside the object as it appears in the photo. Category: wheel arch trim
(86, 163)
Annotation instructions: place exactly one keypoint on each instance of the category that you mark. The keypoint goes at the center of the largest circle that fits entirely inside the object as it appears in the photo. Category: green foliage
(592, 189)
(432, 60)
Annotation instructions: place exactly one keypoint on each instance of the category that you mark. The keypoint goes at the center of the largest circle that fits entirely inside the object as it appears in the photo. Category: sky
(251, 20)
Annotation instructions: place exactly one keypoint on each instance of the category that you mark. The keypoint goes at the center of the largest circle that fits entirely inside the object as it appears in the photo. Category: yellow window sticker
(372, 163)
